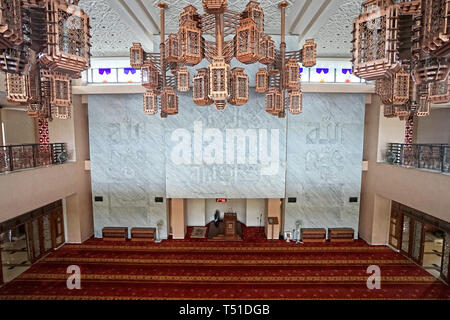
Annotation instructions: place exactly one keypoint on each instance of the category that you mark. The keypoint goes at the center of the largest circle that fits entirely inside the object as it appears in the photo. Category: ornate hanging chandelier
(404, 46)
(43, 45)
(237, 35)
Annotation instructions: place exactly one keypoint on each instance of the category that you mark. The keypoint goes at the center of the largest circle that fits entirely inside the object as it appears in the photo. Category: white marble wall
(193, 171)
(127, 163)
(132, 159)
(324, 159)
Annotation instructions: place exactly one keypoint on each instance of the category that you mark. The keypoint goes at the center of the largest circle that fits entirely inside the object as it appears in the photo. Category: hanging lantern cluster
(10, 23)
(43, 45)
(201, 88)
(292, 74)
(183, 79)
(172, 48)
(274, 101)
(149, 75)
(219, 73)
(150, 102)
(267, 50)
(439, 91)
(262, 80)
(68, 34)
(247, 42)
(375, 40)
(404, 45)
(17, 88)
(137, 57)
(239, 87)
(295, 101)
(219, 84)
(309, 53)
(190, 37)
(169, 101)
(214, 6)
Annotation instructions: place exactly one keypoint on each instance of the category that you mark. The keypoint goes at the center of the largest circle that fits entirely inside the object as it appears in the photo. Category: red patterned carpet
(198, 269)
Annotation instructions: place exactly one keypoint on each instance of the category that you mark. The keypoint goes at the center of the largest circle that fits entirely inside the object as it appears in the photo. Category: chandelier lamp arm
(282, 5)
(219, 33)
(163, 6)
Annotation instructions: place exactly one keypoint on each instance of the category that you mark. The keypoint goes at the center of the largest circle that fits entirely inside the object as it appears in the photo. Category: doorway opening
(422, 238)
(28, 238)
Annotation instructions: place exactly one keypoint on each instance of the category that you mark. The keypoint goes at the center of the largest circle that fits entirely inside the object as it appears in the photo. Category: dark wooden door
(57, 219)
(34, 240)
(395, 228)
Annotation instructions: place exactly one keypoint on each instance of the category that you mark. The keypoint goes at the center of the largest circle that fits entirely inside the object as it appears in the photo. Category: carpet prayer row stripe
(225, 262)
(231, 279)
(61, 297)
(216, 249)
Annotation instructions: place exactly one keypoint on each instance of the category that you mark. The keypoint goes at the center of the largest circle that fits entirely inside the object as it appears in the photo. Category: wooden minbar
(230, 222)
(115, 233)
(341, 234)
(314, 234)
(143, 234)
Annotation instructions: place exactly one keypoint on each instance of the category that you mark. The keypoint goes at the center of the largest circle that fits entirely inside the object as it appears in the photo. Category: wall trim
(306, 88)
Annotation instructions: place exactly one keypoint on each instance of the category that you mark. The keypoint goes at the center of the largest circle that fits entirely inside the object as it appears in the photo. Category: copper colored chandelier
(405, 47)
(219, 35)
(43, 45)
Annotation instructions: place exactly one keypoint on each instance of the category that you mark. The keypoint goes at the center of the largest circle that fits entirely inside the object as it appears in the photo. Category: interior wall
(127, 163)
(232, 205)
(391, 130)
(420, 189)
(435, 127)
(19, 127)
(24, 191)
(196, 212)
(255, 212)
(324, 161)
(64, 131)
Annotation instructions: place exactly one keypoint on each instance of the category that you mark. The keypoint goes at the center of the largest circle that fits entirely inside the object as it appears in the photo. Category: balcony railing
(26, 156)
(434, 157)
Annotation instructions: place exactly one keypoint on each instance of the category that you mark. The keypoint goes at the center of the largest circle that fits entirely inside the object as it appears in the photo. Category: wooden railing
(26, 156)
(434, 157)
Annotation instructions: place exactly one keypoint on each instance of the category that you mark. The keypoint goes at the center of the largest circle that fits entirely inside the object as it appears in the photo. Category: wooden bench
(341, 234)
(143, 234)
(115, 233)
(314, 234)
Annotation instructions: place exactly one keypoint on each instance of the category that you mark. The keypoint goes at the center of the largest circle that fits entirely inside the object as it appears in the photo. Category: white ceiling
(118, 23)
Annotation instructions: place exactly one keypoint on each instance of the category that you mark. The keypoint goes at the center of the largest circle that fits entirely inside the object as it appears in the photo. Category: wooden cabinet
(313, 234)
(341, 234)
(143, 234)
(115, 233)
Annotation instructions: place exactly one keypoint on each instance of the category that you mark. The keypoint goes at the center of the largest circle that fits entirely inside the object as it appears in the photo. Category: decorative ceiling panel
(334, 38)
(110, 35)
